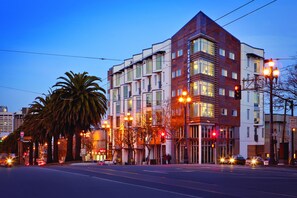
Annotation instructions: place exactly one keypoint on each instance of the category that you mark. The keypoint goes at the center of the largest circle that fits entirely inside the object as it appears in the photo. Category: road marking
(125, 183)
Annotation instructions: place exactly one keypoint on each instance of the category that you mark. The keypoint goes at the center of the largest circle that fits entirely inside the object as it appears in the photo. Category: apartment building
(206, 62)
(252, 103)
(140, 89)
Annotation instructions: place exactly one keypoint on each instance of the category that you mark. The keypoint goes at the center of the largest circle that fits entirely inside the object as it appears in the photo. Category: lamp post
(83, 150)
(128, 118)
(185, 100)
(271, 73)
(106, 127)
(292, 146)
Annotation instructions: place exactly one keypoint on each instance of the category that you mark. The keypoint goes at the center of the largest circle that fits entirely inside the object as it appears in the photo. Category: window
(256, 67)
(202, 88)
(129, 75)
(248, 96)
(155, 79)
(203, 45)
(178, 72)
(158, 97)
(231, 93)
(256, 117)
(138, 103)
(173, 56)
(231, 56)
(223, 111)
(149, 66)
(222, 91)
(224, 72)
(143, 84)
(248, 132)
(234, 75)
(179, 52)
(248, 114)
(179, 92)
(256, 99)
(148, 100)
(173, 93)
(173, 74)
(222, 52)
(234, 112)
(202, 67)
(125, 92)
(159, 61)
(138, 71)
(202, 110)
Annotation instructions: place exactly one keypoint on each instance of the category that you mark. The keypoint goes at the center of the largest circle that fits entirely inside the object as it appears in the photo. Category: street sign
(293, 122)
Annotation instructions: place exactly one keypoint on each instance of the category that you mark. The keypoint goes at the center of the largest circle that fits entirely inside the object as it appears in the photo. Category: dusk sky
(116, 29)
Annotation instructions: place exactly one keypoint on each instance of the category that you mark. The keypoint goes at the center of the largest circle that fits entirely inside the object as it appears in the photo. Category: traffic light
(162, 137)
(214, 135)
(237, 90)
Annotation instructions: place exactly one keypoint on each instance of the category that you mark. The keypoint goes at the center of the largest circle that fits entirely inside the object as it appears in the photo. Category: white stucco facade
(141, 85)
(252, 102)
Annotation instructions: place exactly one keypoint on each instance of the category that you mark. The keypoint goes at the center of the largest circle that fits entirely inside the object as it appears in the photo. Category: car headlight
(232, 160)
(222, 160)
(254, 161)
(9, 161)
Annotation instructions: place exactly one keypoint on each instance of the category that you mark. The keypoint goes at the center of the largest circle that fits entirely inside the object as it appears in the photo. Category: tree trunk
(36, 152)
(77, 146)
(69, 156)
(31, 153)
(56, 149)
(49, 150)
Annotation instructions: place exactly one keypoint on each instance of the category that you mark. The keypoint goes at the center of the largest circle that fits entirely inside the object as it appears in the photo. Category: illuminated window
(202, 88)
(202, 110)
(203, 45)
(202, 67)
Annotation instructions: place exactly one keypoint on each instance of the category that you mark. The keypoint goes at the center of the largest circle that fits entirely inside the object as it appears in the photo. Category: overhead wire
(112, 59)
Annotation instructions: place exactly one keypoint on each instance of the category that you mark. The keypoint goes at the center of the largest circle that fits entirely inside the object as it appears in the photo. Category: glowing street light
(271, 73)
(185, 100)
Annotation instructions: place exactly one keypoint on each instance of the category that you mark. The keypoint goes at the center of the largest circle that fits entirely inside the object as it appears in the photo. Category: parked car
(237, 159)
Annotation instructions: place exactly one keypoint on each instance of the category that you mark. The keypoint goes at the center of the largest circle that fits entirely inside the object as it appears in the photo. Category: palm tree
(41, 122)
(82, 103)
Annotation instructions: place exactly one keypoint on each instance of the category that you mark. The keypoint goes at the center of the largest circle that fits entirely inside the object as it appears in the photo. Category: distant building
(19, 118)
(6, 122)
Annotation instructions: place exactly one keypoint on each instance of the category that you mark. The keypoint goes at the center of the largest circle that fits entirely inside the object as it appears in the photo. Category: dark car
(237, 159)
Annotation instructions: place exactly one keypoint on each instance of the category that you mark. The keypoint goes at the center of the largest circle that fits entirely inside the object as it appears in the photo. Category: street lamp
(185, 100)
(84, 150)
(292, 146)
(106, 127)
(271, 73)
(128, 118)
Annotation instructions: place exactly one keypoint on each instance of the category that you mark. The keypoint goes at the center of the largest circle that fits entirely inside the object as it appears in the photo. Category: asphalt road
(91, 180)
